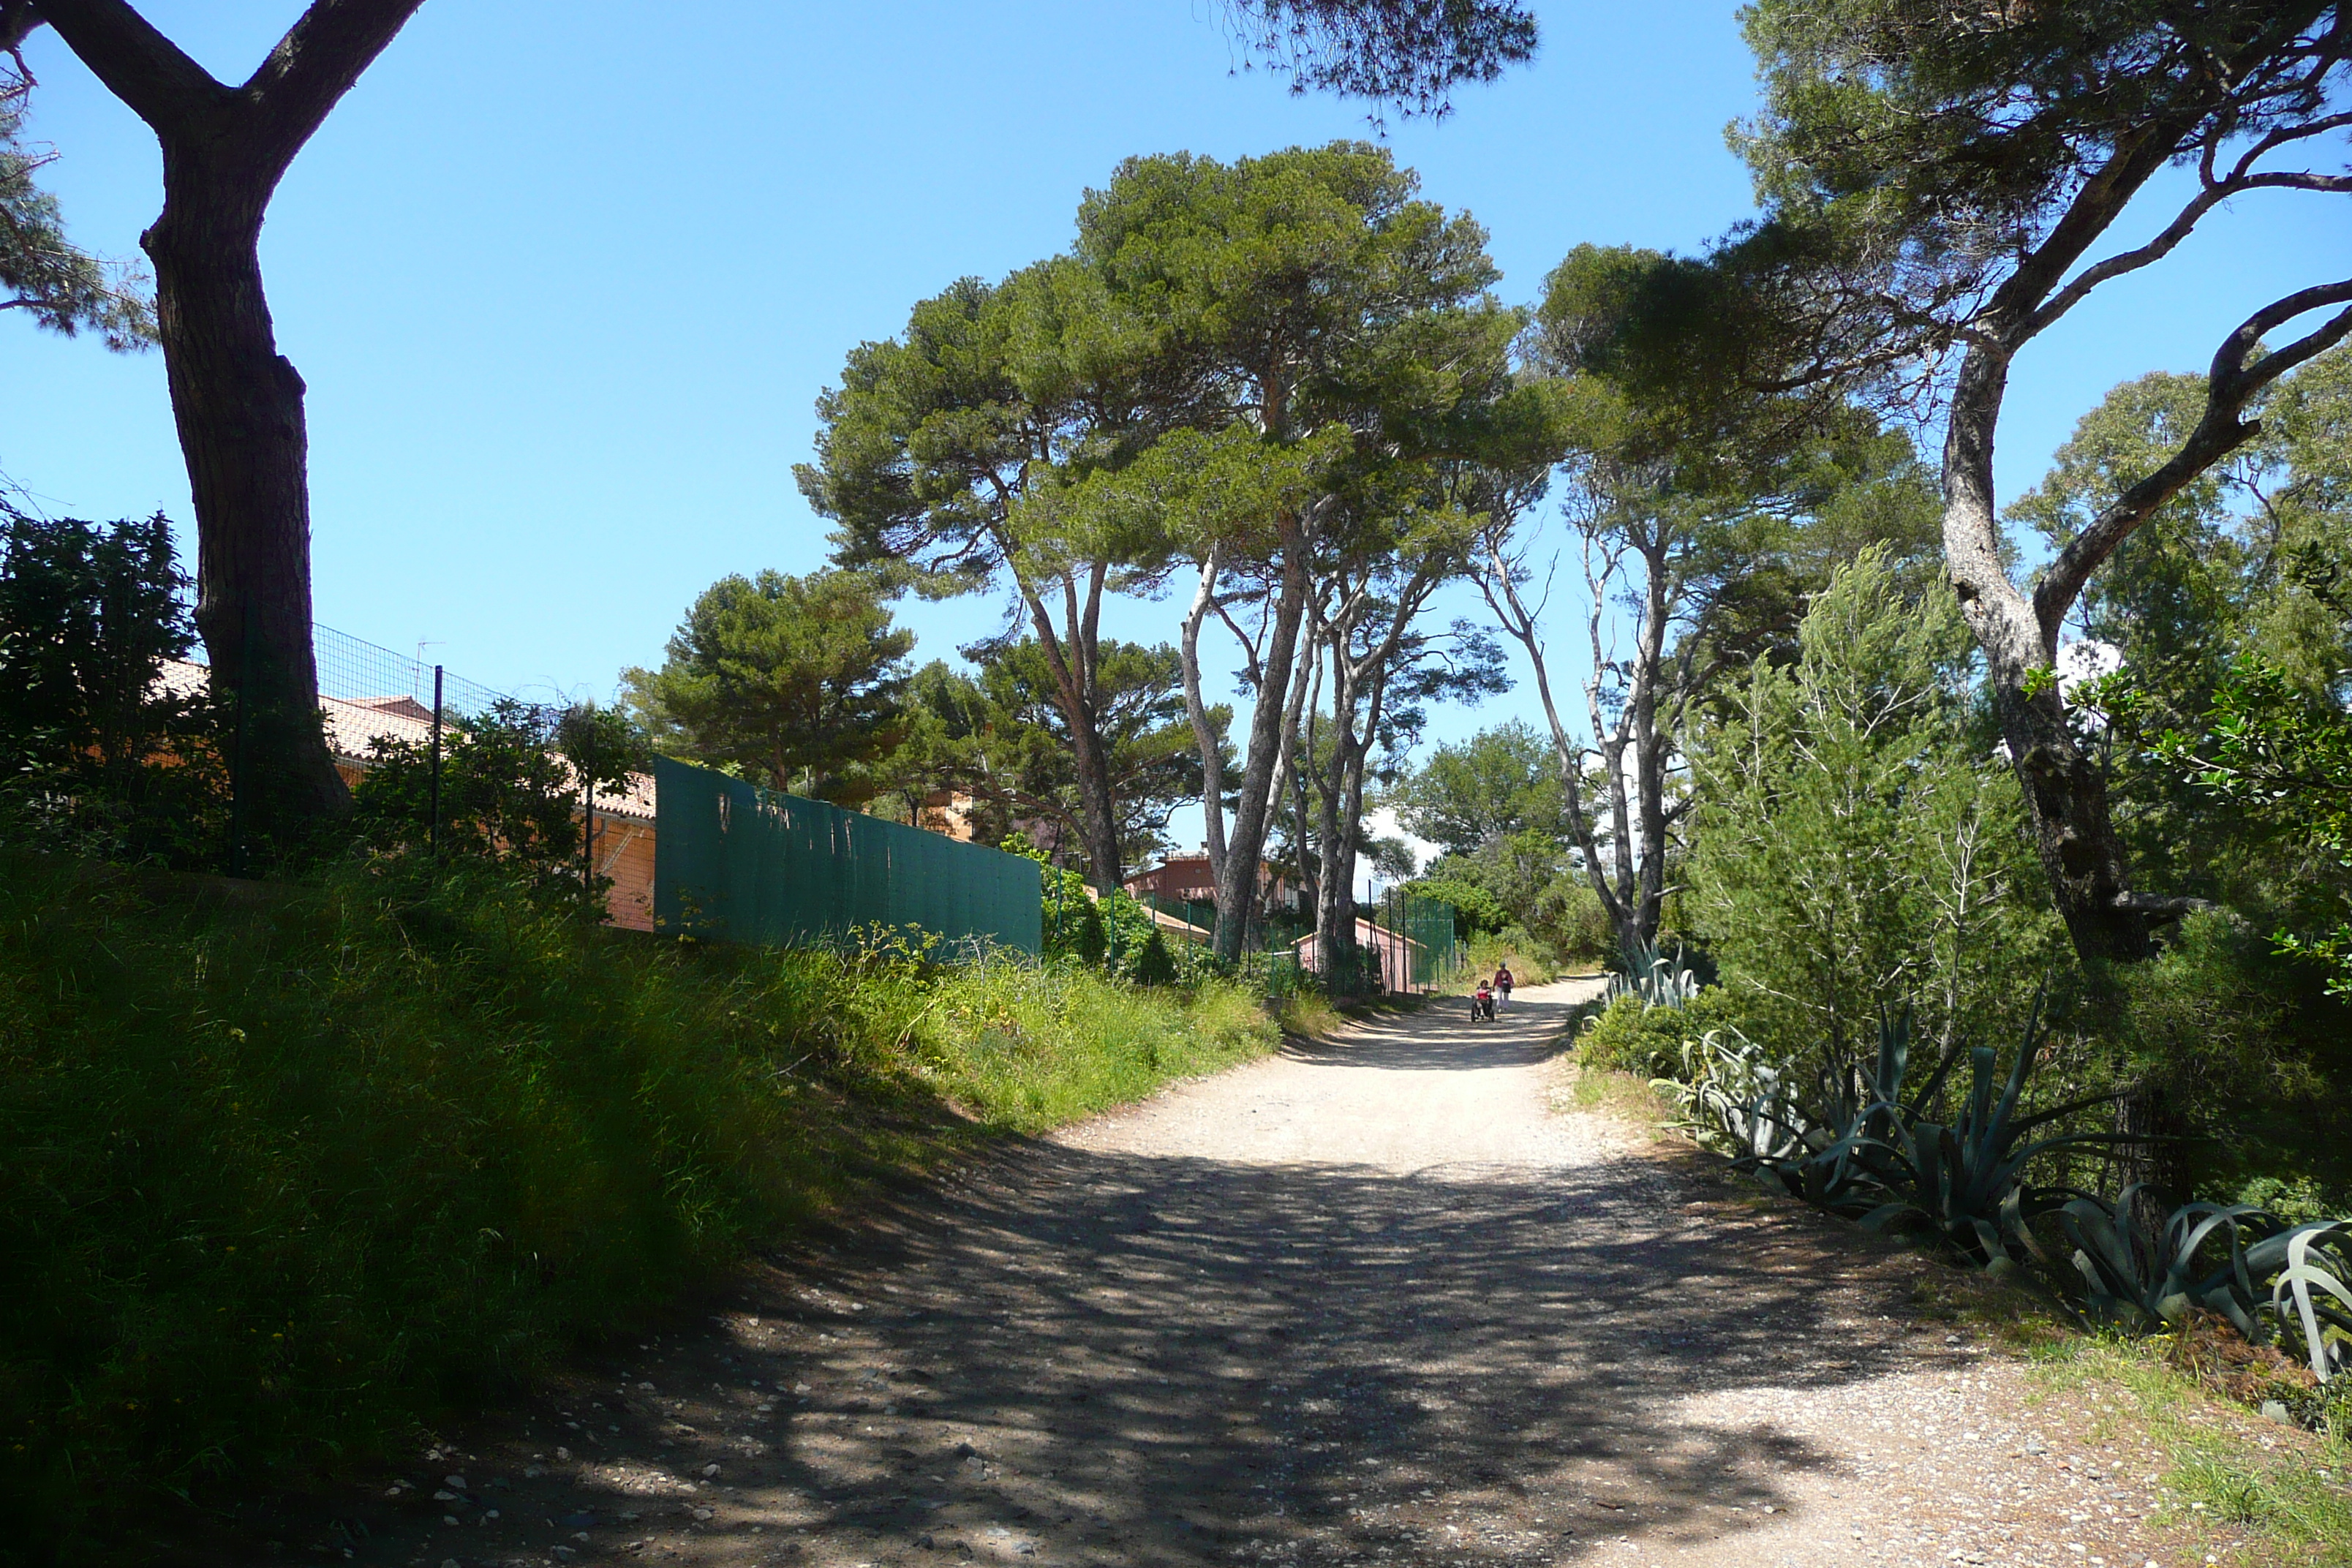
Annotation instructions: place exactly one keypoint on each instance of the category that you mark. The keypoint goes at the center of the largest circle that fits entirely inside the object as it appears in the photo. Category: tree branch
(2164, 906)
(2230, 384)
(317, 60)
(138, 64)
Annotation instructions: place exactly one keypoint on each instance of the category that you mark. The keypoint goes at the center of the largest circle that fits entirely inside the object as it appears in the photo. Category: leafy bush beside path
(284, 1172)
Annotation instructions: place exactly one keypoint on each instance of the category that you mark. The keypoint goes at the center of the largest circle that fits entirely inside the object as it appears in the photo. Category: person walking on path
(1502, 986)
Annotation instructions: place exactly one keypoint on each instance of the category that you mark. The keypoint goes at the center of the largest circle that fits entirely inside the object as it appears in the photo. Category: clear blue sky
(566, 280)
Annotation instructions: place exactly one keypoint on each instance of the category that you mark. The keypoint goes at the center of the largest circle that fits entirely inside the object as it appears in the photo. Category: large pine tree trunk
(1335, 889)
(237, 402)
(1073, 655)
(1097, 810)
(1205, 733)
(238, 405)
(2073, 834)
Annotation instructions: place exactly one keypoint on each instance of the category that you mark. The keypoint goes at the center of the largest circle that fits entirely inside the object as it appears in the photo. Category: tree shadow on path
(1088, 1357)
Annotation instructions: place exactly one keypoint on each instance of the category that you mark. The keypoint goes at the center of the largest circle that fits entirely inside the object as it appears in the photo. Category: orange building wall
(623, 850)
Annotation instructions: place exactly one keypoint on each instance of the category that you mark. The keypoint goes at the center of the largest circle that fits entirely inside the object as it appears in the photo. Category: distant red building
(1185, 879)
(1396, 952)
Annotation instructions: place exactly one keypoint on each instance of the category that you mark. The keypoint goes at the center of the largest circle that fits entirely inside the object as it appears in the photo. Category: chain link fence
(368, 695)
(381, 680)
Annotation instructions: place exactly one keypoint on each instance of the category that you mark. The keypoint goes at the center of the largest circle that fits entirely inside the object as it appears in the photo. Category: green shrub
(1092, 940)
(2249, 1054)
(100, 753)
(1576, 927)
(284, 1172)
(1855, 849)
(1476, 909)
(1629, 1036)
(1154, 964)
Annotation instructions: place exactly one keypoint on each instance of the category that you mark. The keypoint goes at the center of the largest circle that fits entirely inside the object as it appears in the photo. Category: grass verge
(282, 1179)
(1616, 1093)
(2247, 1495)
(1490, 951)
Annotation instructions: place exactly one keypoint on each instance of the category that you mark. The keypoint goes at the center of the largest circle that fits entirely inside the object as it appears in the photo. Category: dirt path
(1375, 1300)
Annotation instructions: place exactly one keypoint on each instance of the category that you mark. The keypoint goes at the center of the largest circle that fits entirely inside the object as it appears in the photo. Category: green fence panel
(739, 863)
(1428, 924)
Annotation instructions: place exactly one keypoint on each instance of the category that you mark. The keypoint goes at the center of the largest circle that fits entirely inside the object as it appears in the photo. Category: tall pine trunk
(238, 403)
(2065, 793)
(236, 400)
(1097, 808)
(1205, 733)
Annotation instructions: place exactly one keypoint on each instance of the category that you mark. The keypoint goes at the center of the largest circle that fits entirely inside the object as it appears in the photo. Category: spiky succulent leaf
(2316, 1281)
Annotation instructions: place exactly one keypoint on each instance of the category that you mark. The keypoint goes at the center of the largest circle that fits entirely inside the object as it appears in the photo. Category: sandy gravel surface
(1379, 1300)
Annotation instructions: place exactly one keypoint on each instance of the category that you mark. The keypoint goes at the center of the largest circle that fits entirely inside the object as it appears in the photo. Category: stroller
(1482, 1003)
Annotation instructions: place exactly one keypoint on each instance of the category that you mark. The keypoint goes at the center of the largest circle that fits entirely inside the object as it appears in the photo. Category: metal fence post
(434, 833)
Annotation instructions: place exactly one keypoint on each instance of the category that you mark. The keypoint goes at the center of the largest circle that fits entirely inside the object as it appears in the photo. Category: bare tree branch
(2230, 383)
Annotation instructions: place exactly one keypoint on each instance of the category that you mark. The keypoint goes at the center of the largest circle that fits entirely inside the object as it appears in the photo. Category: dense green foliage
(1630, 1036)
(1493, 804)
(2281, 758)
(1857, 852)
(1000, 735)
(506, 794)
(795, 681)
(100, 751)
(1856, 847)
(288, 1170)
(2242, 571)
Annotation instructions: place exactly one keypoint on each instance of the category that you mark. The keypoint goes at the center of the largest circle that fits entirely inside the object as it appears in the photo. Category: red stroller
(1482, 1003)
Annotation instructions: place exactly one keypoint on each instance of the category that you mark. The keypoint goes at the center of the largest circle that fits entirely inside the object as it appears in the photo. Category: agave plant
(1863, 1149)
(2270, 1279)
(1658, 980)
(2315, 1279)
(2137, 1280)
(1738, 1092)
(1963, 1180)
(1824, 1159)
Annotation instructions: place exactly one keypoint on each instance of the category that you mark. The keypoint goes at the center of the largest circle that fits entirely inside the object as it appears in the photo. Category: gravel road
(1380, 1300)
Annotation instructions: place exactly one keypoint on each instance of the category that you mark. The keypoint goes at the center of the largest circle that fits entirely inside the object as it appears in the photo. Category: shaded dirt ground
(1379, 1300)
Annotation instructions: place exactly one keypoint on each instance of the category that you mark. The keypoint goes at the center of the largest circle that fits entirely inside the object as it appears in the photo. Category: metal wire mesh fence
(1427, 926)
(378, 679)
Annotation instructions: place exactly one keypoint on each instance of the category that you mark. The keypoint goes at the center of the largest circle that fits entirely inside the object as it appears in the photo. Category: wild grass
(1621, 1094)
(282, 1179)
(1489, 950)
(2246, 1495)
(1308, 1015)
(1026, 1047)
